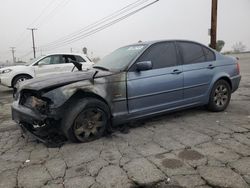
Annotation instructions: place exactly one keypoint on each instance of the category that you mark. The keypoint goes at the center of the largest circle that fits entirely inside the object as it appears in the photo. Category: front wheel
(18, 79)
(86, 121)
(220, 96)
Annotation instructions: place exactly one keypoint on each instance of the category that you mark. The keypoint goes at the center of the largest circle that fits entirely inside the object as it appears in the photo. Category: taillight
(238, 67)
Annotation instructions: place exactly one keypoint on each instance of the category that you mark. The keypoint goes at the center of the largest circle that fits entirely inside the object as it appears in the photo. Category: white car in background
(42, 66)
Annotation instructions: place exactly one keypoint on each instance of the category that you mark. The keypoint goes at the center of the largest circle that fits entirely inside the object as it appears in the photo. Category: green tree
(219, 45)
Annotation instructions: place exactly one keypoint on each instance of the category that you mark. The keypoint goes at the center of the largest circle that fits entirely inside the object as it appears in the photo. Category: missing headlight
(36, 103)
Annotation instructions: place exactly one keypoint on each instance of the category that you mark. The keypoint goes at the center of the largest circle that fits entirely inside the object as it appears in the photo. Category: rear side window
(68, 58)
(191, 52)
(161, 55)
(210, 56)
(79, 59)
(71, 58)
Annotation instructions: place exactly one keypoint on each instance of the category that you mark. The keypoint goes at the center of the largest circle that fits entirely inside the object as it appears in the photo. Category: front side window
(161, 55)
(50, 60)
(191, 52)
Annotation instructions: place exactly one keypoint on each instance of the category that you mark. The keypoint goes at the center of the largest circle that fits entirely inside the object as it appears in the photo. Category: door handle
(176, 71)
(210, 66)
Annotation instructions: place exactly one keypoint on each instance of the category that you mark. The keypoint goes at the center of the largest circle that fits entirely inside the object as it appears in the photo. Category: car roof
(149, 43)
(167, 40)
(66, 53)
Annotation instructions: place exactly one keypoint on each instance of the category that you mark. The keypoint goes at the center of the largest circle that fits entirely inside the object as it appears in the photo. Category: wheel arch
(80, 94)
(21, 74)
(227, 79)
(211, 104)
(215, 79)
(73, 101)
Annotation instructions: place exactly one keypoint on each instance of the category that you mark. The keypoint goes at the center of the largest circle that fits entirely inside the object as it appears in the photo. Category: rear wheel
(86, 121)
(220, 96)
(18, 79)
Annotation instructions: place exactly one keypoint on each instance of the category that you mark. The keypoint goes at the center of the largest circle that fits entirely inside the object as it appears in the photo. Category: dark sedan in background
(133, 82)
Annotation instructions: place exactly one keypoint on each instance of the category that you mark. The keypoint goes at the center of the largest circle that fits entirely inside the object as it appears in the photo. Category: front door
(48, 65)
(161, 87)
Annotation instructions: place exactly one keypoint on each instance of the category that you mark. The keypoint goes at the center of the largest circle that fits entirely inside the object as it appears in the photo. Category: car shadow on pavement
(146, 122)
(125, 128)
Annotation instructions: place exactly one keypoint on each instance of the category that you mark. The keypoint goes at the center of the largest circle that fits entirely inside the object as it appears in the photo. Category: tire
(87, 120)
(220, 96)
(19, 78)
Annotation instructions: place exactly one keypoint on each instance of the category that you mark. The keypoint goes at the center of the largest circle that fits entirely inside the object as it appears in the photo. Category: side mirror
(144, 65)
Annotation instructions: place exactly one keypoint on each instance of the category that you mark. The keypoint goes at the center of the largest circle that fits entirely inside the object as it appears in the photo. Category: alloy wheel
(89, 124)
(20, 80)
(221, 95)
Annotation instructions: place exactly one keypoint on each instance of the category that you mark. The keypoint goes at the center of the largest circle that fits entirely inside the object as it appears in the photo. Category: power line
(99, 28)
(99, 25)
(23, 35)
(52, 13)
(42, 12)
(102, 27)
(101, 21)
(41, 22)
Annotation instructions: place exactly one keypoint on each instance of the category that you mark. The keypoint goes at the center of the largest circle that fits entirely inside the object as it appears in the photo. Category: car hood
(62, 79)
(14, 67)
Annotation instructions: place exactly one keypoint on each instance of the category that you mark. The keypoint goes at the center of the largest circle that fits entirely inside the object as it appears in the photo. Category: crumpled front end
(41, 110)
(32, 112)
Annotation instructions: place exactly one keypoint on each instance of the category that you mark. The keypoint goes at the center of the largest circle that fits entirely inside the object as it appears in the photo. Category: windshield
(120, 58)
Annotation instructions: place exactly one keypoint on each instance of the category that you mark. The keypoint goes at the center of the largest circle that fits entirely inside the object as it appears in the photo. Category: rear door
(159, 88)
(198, 68)
(86, 63)
(67, 65)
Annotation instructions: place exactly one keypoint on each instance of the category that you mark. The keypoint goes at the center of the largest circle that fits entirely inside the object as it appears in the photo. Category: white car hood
(17, 67)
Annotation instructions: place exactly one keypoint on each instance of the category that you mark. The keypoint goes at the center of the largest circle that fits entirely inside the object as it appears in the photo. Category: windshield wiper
(102, 68)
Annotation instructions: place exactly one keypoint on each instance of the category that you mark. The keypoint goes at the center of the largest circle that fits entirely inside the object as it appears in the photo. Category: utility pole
(33, 40)
(214, 24)
(13, 54)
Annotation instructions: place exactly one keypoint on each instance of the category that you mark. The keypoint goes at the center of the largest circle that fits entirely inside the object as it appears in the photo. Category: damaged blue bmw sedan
(133, 82)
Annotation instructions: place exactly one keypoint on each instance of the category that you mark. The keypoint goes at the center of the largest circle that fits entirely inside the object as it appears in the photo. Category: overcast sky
(166, 19)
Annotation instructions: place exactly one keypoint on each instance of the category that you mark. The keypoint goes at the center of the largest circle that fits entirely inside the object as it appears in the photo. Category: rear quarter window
(79, 59)
(210, 55)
